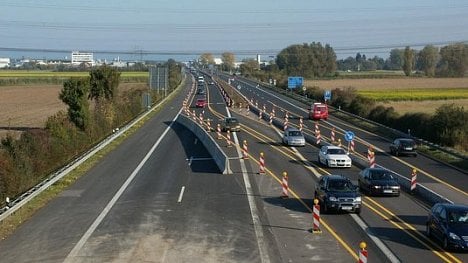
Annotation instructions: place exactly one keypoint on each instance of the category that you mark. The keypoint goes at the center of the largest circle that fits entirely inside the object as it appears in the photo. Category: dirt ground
(25, 107)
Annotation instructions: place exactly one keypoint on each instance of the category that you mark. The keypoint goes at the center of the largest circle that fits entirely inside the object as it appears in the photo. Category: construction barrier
(351, 145)
(271, 119)
(228, 139)
(301, 123)
(414, 176)
(245, 152)
(260, 113)
(262, 163)
(371, 157)
(362, 252)
(285, 124)
(316, 217)
(317, 133)
(218, 132)
(332, 135)
(285, 186)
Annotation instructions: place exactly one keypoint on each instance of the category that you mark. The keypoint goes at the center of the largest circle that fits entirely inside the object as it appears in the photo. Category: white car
(334, 156)
(293, 137)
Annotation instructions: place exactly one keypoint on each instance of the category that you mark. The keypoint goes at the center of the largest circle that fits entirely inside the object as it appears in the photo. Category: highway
(159, 197)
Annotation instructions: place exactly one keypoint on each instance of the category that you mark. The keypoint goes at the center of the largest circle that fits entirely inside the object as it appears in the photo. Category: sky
(183, 29)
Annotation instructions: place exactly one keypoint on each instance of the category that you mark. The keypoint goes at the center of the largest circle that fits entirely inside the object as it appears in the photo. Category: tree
(427, 60)
(74, 93)
(103, 83)
(450, 125)
(453, 60)
(395, 61)
(206, 59)
(307, 60)
(249, 66)
(408, 61)
(228, 61)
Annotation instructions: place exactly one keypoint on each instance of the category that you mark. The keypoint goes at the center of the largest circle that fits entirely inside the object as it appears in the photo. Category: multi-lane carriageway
(159, 197)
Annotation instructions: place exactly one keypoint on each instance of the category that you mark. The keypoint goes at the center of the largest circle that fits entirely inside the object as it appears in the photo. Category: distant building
(4, 62)
(78, 58)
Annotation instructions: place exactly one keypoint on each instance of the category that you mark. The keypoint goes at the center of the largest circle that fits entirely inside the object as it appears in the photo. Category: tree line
(95, 107)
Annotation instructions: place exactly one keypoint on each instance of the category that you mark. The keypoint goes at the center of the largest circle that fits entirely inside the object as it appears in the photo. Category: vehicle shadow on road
(396, 235)
(292, 204)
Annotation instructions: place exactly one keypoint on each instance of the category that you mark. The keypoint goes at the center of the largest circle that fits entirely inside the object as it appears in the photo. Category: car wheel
(396, 153)
(324, 208)
(445, 244)
(357, 211)
(318, 160)
(415, 155)
(326, 162)
(428, 231)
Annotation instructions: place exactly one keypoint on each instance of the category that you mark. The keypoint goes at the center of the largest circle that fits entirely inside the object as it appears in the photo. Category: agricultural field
(405, 94)
(53, 74)
(28, 106)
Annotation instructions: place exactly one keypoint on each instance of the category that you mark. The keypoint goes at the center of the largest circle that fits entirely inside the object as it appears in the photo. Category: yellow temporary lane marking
(417, 236)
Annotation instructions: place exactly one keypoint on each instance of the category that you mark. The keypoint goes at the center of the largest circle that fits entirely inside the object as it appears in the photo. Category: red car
(318, 111)
(201, 103)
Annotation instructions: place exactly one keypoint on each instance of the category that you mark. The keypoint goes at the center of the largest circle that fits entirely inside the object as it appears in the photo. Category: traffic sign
(295, 82)
(327, 95)
(349, 136)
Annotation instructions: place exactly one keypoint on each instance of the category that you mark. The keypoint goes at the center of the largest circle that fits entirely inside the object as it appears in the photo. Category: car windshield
(295, 133)
(381, 175)
(458, 216)
(340, 186)
(201, 101)
(234, 121)
(336, 151)
(406, 143)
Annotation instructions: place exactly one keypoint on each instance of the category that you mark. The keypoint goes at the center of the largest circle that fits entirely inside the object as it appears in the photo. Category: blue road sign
(327, 95)
(349, 136)
(295, 82)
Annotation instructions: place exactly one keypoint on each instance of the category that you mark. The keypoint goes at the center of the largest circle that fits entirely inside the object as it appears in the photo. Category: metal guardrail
(17, 203)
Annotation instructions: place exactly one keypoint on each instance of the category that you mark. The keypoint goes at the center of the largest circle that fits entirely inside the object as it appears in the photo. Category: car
(230, 124)
(201, 91)
(318, 111)
(338, 193)
(334, 156)
(378, 181)
(448, 223)
(403, 146)
(201, 103)
(293, 137)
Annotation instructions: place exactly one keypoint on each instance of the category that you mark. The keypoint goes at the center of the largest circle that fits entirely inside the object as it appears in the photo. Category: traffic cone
(262, 163)
(414, 176)
(245, 153)
(316, 217)
(228, 138)
(332, 135)
(218, 131)
(285, 185)
(363, 252)
(301, 124)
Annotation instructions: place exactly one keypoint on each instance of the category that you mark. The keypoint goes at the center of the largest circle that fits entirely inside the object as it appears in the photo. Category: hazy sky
(243, 27)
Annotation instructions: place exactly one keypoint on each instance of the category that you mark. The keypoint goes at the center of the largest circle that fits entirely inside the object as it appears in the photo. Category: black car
(338, 193)
(403, 146)
(448, 223)
(378, 181)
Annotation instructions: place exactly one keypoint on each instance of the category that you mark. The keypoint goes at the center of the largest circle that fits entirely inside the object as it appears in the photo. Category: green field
(52, 74)
(415, 94)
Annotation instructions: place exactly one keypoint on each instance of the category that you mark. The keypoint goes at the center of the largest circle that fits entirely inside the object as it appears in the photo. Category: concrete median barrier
(211, 146)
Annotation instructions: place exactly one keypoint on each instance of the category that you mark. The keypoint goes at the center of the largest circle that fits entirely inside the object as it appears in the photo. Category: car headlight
(454, 236)
(376, 186)
(396, 187)
(358, 199)
(332, 198)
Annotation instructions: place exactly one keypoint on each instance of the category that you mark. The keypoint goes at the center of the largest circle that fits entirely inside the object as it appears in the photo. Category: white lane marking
(262, 246)
(181, 194)
(190, 161)
(74, 252)
(376, 240)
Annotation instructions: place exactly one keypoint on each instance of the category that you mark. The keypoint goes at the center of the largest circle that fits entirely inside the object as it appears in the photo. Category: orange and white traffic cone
(262, 163)
(414, 176)
(228, 138)
(218, 132)
(285, 186)
(301, 123)
(245, 153)
(208, 125)
(363, 252)
(285, 124)
(371, 157)
(271, 119)
(332, 135)
(316, 217)
(260, 113)
(352, 145)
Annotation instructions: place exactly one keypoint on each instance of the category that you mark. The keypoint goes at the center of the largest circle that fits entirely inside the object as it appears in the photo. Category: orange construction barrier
(262, 163)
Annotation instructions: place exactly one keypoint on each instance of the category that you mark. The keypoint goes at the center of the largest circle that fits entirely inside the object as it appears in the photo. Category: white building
(4, 62)
(78, 57)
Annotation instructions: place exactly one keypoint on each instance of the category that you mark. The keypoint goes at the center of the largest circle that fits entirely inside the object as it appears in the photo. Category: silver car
(293, 137)
(334, 156)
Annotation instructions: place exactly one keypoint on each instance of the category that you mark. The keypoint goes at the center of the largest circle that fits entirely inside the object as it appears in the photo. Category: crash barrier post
(332, 135)
(371, 157)
(285, 186)
(301, 124)
(362, 252)
(262, 163)
(316, 217)
(218, 131)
